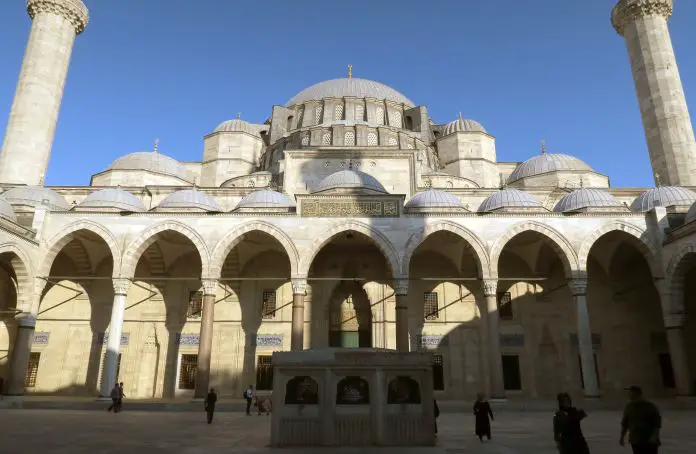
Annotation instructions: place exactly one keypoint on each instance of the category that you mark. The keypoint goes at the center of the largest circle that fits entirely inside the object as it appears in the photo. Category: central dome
(349, 180)
(358, 88)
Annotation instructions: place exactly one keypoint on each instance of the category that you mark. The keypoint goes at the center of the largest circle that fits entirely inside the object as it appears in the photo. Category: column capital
(74, 11)
(490, 287)
(209, 286)
(627, 11)
(578, 287)
(26, 320)
(674, 320)
(400, 286)
(121, 286)
(299, 285)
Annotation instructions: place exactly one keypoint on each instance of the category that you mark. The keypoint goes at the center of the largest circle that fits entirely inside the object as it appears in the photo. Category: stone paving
(75, 432)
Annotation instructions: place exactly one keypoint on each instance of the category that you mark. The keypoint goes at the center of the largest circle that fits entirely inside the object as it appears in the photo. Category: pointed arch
(136, 248)
(642, 242)
(232, 238)
(21, 264)
(675, 275)
(559, 242)
(67, 234)
(378, 238)
(476, 244)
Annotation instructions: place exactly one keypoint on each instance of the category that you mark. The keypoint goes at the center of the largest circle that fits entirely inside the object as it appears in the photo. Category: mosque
(349, 218)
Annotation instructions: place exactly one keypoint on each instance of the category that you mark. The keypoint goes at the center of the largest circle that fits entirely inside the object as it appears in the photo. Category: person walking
(209, 404)
(567, 431)
(249, 396)
(642, 421)
(121, 395)
(483, 415)
(436, 412)
(115, 393)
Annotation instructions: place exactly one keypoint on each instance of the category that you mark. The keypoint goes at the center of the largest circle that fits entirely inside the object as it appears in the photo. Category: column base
(103, 399)
(198, 399)
(498, 400)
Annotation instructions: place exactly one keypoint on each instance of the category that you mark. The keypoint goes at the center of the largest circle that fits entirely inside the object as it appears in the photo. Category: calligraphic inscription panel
(349, 208)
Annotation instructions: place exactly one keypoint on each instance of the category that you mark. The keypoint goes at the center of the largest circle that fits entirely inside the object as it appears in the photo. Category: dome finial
(155, 147)
(543, 146)
(239, 115)
(41, 179)
(658, 181)
(350, 71)
(503, 183)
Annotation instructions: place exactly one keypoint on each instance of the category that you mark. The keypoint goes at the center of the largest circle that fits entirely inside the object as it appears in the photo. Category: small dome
(508, 198)
(545, 163)
(665, 196)
(265, 198)
(36, 196)
(238, 125)
(350, 179)
(691, 215)
(6, 211)
(152, 162)
(463, 125)
(432, 198)
(586, 198)
(189, 198)
(113, 198)
(351, 87)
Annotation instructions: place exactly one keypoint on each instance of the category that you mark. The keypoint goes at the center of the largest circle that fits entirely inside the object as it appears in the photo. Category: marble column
(205, 339)
(401, 296)
(495, 359)
(299, 288)
(674, 325)
(19, 359)
(578, 288)
(113, 344)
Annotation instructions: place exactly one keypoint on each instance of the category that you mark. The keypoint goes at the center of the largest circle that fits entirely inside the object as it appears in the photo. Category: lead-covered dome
(113, 198)
(508, 198)
(36, 196)
(351, 180)
(587, 198)
(548, 162)
(238, 125)
(154, 162)
(463, 125)
(358, 88)
(264, 199)
(187, 199)
(433, 198)
(664, 196)
(6, 211)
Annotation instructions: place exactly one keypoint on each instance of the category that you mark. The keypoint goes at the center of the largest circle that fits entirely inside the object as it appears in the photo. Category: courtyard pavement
(135, 432)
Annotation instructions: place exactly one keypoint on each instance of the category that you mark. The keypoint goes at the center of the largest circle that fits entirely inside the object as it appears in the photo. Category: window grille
(188, 369)
(264, 373)
(317, 115)
(349, 139)
(505, 306)
(195, 305)
(372, 139)
(338, 112)
(32, 370)
(430, 306)
(438, 373)
(269, 304)
(379, 115)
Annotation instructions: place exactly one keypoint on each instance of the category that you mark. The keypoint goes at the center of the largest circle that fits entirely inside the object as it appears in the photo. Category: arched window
(379, 115)
(326, 138)
(353, 391)
(318, 114)
(395, 119)
(305, 139)
(349, 139)
(302, 390)
(392, 141)
(300, 116)
(372, 139)
(403, 390)
(338, 112)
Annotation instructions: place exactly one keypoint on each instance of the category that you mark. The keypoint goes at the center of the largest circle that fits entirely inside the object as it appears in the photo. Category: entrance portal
(350, 316)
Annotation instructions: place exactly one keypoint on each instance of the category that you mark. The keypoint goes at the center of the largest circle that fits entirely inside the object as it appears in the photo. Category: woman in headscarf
(567, 431)
(483, 415)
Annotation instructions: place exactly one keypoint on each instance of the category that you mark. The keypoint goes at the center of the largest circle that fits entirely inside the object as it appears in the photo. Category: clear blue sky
(174, 69)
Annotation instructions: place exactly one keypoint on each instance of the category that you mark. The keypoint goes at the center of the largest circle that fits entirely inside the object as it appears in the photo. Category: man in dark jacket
(209, 403)
(642, 421)
(115, 396)
(436, 413)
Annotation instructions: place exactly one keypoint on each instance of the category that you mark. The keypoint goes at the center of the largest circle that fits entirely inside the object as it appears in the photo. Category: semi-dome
(238, 125)
(152, 162)
(548, 162)
(358, 88)
(36, 196)
(189, 199)
(508, 198)
(433, 198)
(665, 196)
(6, 211)
(113, 198)
(586, 198)
(265, 198)
(350, 179)
(691, 215)
(463, 125)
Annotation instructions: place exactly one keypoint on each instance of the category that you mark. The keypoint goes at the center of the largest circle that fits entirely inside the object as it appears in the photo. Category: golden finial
(155, 148)
(461, 117)
(543, 147)
(350, 71)
(239, 115)
(658, 183)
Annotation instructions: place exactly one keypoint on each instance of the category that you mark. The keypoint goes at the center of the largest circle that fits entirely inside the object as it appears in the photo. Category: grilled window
(430, 309)
(505, 306)
(32, 370)
(269, 304)
(188, 369)
(264, 373)
(118, 369)
(195, 305)
(438, 373)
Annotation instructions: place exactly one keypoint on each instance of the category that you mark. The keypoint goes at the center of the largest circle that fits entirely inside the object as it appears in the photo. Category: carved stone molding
(210, 286)
(578, 287)
(490, 287)
(627, 11)
(73, 11)
(121, 286)
(299, 286)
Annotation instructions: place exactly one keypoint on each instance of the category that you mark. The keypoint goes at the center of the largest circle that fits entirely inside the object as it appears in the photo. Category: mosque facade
(349, 218)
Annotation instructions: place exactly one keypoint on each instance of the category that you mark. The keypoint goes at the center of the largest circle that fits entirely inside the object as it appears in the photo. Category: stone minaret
(668, 128)
(32, 122)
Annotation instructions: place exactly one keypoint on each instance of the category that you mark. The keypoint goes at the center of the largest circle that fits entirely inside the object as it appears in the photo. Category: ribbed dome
(36, 196)
(6, 210)
(189, 198)
(350, 179)
(665, 196)
(359, 88)
(547, 162)
(153, 162)
(113, 198)
(265, 198)
(238, 125)
(463, 125)
(432, 198)
(691, 215)
(586, 198)
(508, 198)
